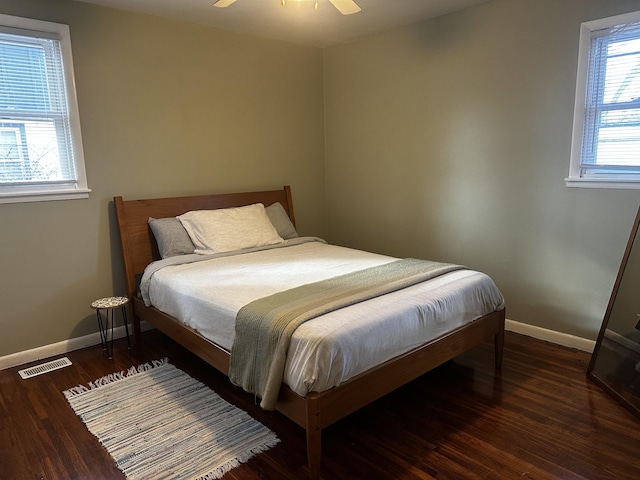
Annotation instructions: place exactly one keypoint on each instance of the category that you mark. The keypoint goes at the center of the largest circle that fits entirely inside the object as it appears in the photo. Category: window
(606, 131)
(41, 155)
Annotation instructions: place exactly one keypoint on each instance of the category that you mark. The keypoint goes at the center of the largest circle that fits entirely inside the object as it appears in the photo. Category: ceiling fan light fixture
(345, 7)
(316, 6)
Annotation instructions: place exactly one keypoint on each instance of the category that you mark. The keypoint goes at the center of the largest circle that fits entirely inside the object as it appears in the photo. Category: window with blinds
(606, 143)
(41, 154)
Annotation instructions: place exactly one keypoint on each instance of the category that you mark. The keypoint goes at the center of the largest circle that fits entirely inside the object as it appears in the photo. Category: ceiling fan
(346, 7)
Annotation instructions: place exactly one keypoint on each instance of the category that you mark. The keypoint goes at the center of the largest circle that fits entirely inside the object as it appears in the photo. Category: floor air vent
(45, 367)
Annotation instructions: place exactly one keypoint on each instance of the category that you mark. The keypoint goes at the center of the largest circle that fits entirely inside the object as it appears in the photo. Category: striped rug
(157, 422)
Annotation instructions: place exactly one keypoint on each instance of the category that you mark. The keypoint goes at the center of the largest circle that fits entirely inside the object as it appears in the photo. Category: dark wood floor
(540, 419)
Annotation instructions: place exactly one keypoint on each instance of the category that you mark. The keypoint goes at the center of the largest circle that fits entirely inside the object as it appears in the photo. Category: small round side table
(109, 304)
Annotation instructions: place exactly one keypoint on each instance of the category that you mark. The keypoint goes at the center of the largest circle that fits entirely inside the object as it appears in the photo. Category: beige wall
(166, 108)
(450, 140)
(446, 140)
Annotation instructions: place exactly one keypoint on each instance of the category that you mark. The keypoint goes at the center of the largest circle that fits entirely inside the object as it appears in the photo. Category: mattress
(328, 350)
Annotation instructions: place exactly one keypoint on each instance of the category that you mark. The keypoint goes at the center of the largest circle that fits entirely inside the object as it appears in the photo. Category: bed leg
(314, 436)
(499, 343)
(137, 331)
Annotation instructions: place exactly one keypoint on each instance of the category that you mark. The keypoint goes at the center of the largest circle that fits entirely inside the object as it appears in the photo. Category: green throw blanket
(264, 327)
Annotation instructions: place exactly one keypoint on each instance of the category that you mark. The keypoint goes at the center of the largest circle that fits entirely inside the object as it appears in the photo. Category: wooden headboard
(139, 247)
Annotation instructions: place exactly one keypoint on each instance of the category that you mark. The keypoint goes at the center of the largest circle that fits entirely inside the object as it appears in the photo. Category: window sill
(603, 183)
(43, 195)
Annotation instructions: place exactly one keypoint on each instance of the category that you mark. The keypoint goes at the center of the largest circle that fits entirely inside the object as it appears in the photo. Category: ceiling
(298, 22)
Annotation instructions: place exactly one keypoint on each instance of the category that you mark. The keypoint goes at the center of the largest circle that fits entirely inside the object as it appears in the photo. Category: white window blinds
(611, 130)
(40, 143)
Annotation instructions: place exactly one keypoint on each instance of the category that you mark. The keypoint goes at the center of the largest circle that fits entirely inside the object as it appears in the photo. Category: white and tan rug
(157, 422)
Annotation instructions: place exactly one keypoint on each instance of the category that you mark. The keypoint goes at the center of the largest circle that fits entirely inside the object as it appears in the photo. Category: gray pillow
(278, 216)
(171, 237)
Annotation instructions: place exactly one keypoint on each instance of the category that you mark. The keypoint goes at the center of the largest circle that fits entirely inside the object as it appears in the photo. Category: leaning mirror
(615, 362)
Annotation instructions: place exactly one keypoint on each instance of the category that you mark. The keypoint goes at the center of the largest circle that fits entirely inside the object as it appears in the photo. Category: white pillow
(228, 229)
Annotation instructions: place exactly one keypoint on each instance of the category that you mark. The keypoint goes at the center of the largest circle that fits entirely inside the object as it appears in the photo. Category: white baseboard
(66, 346)
(552, 336)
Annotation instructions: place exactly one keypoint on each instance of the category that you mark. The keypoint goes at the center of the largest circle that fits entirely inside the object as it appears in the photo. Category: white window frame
(63, 190)
(575, 179)
(18, 138)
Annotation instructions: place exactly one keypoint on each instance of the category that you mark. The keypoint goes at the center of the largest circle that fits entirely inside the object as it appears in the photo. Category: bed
(313, 405)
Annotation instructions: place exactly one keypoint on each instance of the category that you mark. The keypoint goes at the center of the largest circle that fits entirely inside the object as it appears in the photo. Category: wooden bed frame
(316, 410)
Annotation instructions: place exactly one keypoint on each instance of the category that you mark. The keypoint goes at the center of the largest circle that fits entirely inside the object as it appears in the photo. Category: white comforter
(330, 349)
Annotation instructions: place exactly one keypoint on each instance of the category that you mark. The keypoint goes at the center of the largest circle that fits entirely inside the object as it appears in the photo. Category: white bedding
(330, 349)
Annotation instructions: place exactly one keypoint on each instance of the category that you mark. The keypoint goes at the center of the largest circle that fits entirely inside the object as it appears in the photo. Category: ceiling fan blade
(346, 7)
(223, 3)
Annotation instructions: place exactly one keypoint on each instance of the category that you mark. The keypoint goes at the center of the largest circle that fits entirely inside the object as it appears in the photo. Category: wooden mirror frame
(616, 286)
